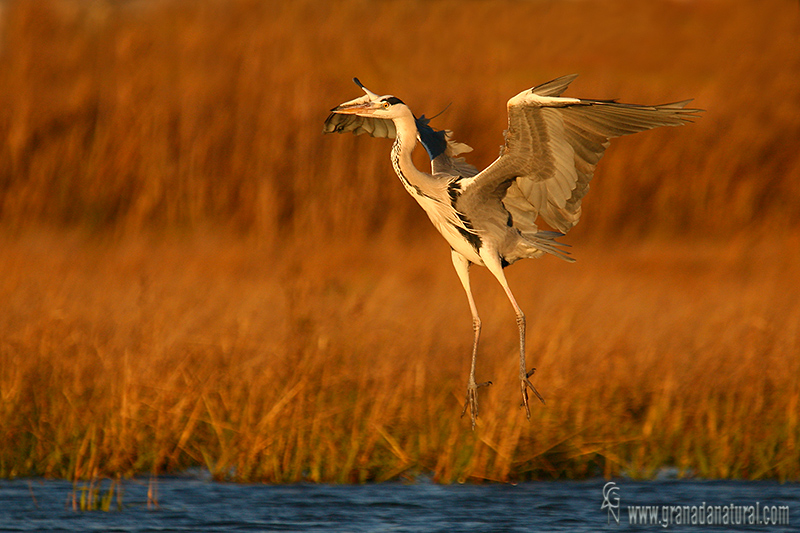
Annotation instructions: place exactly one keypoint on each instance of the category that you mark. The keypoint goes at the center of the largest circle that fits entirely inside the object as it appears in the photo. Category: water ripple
(190, 504)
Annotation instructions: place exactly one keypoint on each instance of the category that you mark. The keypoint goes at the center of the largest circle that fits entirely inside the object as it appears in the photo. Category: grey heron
(552, 146)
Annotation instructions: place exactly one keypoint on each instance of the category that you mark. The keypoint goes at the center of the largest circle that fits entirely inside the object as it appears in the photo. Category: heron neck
(403, 164)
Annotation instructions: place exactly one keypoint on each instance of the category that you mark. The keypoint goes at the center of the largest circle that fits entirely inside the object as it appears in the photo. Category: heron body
(552, 146)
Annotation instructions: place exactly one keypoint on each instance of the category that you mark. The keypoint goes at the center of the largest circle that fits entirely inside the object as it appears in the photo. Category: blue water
(193, 504)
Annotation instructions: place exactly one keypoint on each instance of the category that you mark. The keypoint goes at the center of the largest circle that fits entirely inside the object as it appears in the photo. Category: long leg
(461, 265)
(492, 262)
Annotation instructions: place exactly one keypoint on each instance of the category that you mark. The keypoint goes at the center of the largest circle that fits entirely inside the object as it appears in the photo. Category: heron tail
(546, 242)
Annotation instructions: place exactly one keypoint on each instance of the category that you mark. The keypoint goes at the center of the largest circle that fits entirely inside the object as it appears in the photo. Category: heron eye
(386, 105)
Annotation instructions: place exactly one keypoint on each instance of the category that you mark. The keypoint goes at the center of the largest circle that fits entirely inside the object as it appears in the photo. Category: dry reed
(143, 357)
(143, 115)
(317, 332)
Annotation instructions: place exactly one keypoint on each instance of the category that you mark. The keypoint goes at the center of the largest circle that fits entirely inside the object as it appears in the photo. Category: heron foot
(471, 402)
(525, 383)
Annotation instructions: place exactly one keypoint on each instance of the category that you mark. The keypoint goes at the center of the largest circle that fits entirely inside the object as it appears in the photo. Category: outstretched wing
(553, 145)
(377, 127)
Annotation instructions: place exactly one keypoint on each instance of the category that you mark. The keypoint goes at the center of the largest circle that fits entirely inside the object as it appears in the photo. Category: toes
(525, 402)
(526, 384)
(471, 402)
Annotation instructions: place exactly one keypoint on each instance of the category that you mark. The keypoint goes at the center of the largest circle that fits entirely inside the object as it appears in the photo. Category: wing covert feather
(552, 147)
(377, 127)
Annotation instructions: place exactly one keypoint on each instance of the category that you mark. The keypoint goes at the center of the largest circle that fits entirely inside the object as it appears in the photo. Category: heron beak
(361, 108)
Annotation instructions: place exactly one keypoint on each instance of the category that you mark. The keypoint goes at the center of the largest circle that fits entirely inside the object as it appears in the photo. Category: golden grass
(145, 357)
(142, 115)
(267, 302)
(93, 496)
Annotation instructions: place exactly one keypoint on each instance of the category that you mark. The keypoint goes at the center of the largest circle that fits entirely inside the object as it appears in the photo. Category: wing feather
(553, 145)
(377, 127)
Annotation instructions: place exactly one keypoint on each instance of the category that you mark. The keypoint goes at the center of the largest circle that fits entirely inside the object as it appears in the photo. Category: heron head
(373, 105)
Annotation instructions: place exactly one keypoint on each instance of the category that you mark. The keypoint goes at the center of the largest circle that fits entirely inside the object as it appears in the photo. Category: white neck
(415, 182)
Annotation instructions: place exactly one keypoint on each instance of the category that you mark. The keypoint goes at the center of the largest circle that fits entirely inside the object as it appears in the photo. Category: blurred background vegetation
(192, 274)
(140, 115)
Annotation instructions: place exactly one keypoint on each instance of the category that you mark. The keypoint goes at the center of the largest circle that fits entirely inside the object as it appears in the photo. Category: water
(194, 504)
